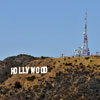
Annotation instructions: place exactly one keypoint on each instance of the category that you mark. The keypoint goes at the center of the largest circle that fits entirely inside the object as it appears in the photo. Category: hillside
(68, 78)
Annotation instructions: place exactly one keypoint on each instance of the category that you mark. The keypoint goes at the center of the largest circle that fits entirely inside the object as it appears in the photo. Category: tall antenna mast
(86, 22)
(86, 52)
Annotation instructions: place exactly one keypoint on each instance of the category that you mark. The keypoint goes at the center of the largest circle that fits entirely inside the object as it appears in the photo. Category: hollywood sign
(27, 70)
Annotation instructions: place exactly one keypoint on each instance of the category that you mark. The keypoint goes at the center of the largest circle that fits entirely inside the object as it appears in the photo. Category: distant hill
(19, 60)
(69, 78)
(14, 61)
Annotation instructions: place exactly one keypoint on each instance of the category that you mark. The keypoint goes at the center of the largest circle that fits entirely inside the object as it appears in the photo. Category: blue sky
(47, 27)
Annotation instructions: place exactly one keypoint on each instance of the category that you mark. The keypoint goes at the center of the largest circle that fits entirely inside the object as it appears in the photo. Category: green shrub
(91, 60)
(18, 85)
(87, 58)
(31, 78)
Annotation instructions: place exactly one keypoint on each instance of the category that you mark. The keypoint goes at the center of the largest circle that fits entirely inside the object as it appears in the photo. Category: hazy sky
(47, 27)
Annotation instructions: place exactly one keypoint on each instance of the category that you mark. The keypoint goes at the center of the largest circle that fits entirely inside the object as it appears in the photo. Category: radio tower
(86, 51)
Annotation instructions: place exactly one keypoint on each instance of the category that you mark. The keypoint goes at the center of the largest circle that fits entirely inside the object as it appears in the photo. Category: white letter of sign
(44, 69)
(14, 70)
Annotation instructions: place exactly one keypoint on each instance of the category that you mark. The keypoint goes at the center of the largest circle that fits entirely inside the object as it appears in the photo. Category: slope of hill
(68, 78)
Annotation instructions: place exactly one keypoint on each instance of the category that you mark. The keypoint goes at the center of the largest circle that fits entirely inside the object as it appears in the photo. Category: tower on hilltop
(86, 51)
